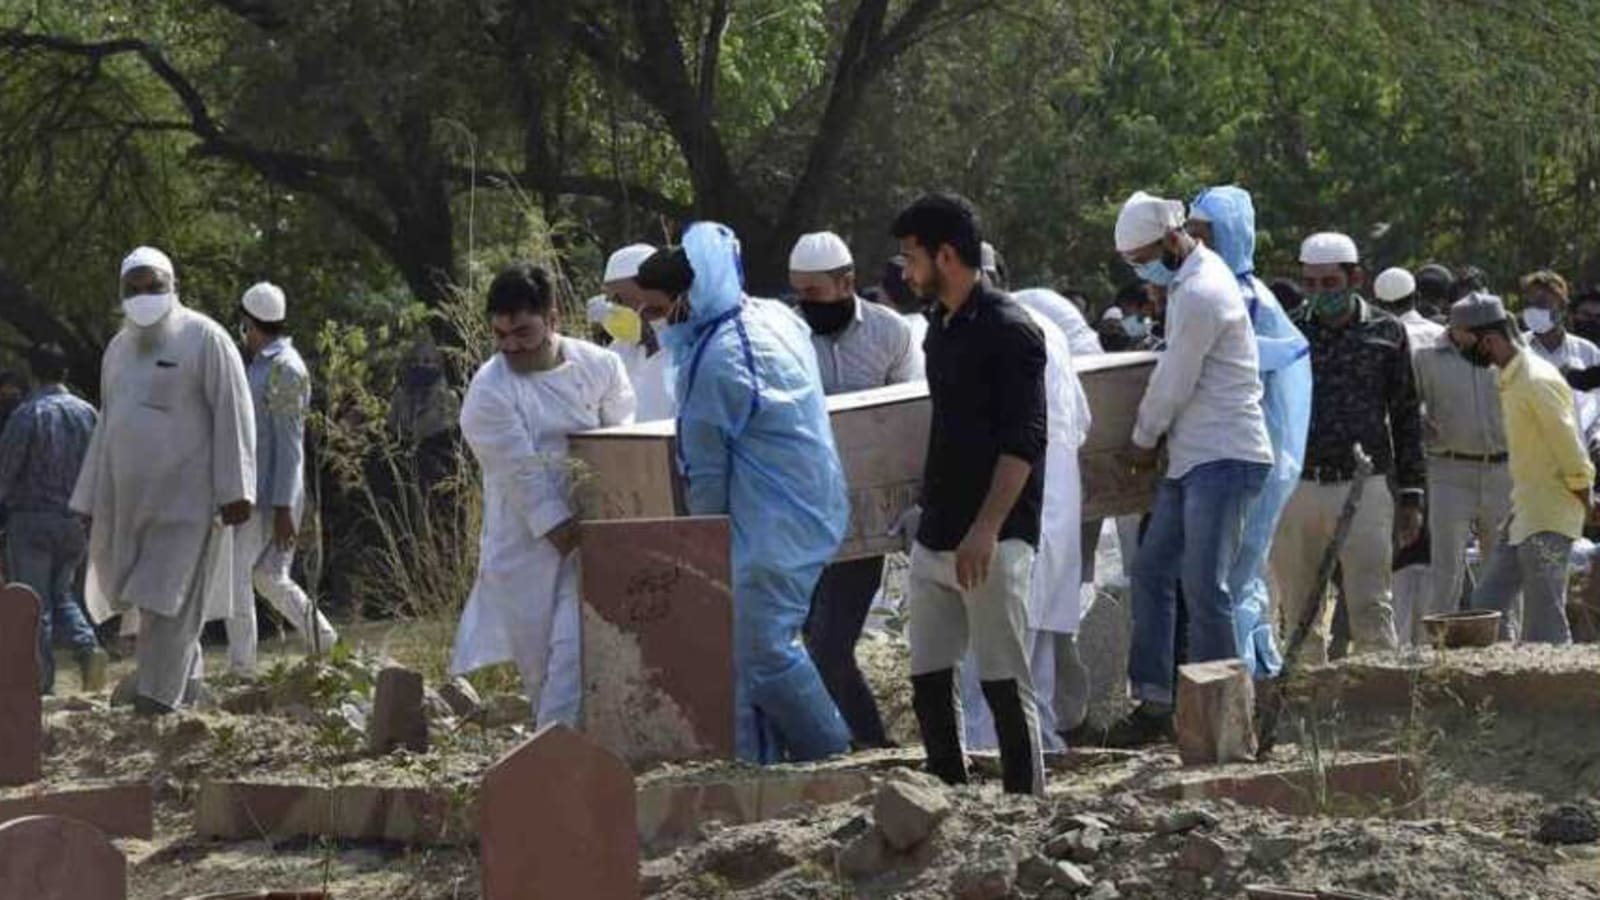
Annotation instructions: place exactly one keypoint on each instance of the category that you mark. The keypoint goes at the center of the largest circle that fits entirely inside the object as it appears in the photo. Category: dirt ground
(1488, 773)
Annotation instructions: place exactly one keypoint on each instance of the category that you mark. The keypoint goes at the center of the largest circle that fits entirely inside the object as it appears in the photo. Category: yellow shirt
(1548, 460)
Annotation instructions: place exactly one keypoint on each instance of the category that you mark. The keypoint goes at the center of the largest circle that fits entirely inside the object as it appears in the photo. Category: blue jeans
(46, 551)
(1196, 526)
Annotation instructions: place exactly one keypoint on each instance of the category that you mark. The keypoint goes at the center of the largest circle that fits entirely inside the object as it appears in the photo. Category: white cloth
(1145, 219)
(919, 328)
(1421, 331)
(874, 350)
(517, 425)
(1329, 248)
(1394, 284)
(258, 565)
(1205, 392)
(651, 378)
(175, 443)
(1054, 596)
(1575, 353)
(625, 263)
(147, 258)
(820, 251)
(1081, 337)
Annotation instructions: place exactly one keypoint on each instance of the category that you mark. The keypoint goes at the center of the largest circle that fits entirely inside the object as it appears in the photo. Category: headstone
(398, 719)
(658, 638)
(119, 810)
(21, 716)
(55, 858)
(1216, 713)
(556, 820)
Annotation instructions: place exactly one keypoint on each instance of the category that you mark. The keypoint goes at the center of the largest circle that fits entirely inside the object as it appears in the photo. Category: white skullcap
(1394, 284)
(1112, 314)
(1146, 219)
(624, 263)
(598, 306)
(265, 302)
(147, 258)
(820, 251)
(1328, 248)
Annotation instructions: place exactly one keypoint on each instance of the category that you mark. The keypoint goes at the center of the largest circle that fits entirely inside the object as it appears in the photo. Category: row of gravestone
(657, 647)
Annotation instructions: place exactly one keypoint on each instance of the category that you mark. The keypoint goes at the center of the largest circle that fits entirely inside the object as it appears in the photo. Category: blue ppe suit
(755, 444)
(1286, 402)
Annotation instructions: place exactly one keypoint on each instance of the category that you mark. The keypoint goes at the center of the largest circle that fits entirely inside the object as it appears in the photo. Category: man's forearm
(1005, 486)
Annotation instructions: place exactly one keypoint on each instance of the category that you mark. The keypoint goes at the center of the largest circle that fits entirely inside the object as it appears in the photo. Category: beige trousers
(1303, 536)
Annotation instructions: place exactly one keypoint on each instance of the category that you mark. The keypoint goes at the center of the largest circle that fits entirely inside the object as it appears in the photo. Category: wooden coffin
(628, 472)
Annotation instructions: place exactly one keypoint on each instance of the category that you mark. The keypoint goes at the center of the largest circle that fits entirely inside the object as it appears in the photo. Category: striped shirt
(874, 350)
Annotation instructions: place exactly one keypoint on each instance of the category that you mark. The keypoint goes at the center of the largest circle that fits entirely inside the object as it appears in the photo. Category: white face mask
(145, 310)
(1539, 320)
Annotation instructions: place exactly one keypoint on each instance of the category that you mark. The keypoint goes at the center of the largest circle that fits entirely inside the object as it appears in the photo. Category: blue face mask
(1156, 272)
(1136, 327)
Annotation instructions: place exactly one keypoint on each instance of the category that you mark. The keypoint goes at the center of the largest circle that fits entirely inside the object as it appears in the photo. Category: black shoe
(1015, 734)
(933, 698)
(1149, 723)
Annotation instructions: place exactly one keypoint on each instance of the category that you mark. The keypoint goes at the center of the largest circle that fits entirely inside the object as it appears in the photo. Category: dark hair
(900, 295)
(1434, 282)
(1131, 294)
(1592, 295)
(667, 270)
(937, 219)
(49, 363)
(1470, 278)
(521, 287)
(1288, 293)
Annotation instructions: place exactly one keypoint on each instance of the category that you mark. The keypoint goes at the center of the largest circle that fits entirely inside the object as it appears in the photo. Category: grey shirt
(874, 350)
(1461, 402)
(281, 389)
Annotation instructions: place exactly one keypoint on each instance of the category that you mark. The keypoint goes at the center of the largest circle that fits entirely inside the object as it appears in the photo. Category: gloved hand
(906, 524)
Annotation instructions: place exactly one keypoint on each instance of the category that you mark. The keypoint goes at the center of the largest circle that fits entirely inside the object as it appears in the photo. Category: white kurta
(1055, 601)
(651, 379)
(175, 443)
(517, 426)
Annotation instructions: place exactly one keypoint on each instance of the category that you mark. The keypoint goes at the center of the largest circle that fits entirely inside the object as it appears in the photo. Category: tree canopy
(370, 154)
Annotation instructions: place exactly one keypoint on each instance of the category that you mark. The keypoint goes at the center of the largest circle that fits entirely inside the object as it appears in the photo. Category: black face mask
(828, 318)
(1476, 355)
(1586, 328)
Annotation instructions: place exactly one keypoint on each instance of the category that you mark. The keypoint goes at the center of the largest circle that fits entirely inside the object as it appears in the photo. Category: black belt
(1473, 457)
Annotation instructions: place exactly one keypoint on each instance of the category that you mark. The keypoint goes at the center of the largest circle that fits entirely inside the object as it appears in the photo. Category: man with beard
(859, 345)
(982, 494)
(1551, 476)
(169, 472)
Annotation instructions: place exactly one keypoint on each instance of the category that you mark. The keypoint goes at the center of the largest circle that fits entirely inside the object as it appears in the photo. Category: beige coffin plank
(629, 473)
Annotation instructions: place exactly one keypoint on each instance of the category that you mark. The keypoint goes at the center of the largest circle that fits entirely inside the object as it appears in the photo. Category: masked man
(1225, 219)
(522, 404)
(755, 444)
(171, 464)
(635, 340)
(1363, 393)
(859, 346)
(1552, 479)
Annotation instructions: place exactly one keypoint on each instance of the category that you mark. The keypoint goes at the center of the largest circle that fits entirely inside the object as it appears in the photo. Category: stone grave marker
(21, 716)
(398, 718)
(557, 820)
(55, 858)
(658, 638)
(1216, 713)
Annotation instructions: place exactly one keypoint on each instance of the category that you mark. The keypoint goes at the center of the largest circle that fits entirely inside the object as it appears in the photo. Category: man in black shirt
(982, 489)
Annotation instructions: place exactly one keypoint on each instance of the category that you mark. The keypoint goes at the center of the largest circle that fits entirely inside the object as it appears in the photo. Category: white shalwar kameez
(651, 377)
(175, 443)
(524, 606)
(1055, 600)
